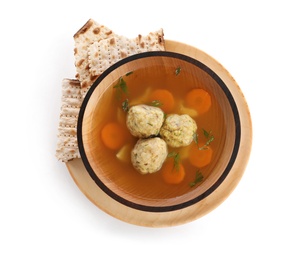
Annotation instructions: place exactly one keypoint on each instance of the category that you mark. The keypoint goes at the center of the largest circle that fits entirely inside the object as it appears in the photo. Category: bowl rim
(190, 202)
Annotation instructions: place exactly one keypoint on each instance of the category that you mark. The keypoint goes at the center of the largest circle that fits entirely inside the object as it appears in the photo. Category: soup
(134, 89)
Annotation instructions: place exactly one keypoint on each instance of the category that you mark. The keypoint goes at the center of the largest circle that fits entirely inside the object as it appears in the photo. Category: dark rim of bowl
(180, 205)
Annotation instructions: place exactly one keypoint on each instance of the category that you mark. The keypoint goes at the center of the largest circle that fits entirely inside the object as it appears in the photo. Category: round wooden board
(177, 217)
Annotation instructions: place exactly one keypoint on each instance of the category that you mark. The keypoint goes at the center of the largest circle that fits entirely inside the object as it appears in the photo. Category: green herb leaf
(177, 71)
(125, 105)
(121, 87)
(195, 138)
(204, 147)
(206, 134)
(176, 157)
(129, 73)
(209, 136)
(155, 103)
(198, 178)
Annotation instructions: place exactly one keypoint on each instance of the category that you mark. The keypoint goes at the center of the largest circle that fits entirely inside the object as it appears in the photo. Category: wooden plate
(195, 211)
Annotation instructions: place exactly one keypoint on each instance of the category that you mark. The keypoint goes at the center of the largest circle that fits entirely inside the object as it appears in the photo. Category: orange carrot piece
(172, 174)
(200, 158)
(165, 97)
(198, 99)
(113, 135)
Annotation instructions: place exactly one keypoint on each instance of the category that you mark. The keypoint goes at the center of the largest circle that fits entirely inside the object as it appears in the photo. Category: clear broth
(123, 174)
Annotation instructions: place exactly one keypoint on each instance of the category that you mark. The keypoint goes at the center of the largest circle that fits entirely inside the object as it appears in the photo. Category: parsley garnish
(177, 71)
(195, 138)
(176, 157)
(156, 103)
(129, 73)
(198, 178)
(121, 87)
(125, 105)
(208, 135)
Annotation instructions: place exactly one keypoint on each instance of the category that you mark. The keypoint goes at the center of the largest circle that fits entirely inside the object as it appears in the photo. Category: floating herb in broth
(125, 105)
(162, 98)
(177, 71)
(199, 177)
(121, 86)
(176, 157)
(155, 103)
(209, 137)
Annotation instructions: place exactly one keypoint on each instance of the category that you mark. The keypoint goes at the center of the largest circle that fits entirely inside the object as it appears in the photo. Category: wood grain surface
(204, 206)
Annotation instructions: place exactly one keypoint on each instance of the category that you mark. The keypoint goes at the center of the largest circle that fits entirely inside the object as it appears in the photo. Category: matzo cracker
(106, 52)
(89, 33)
(67, 146)
(96, 48)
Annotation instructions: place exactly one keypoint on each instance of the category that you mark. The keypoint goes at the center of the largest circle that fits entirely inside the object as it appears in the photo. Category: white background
(44, 215)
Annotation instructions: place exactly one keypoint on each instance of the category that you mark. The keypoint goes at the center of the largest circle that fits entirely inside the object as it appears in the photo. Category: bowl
(129, 83)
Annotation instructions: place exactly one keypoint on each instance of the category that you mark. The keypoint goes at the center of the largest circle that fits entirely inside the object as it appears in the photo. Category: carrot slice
(113, 135)
(172, 174)
(165, 97)
(200, 158)
(198, 99)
